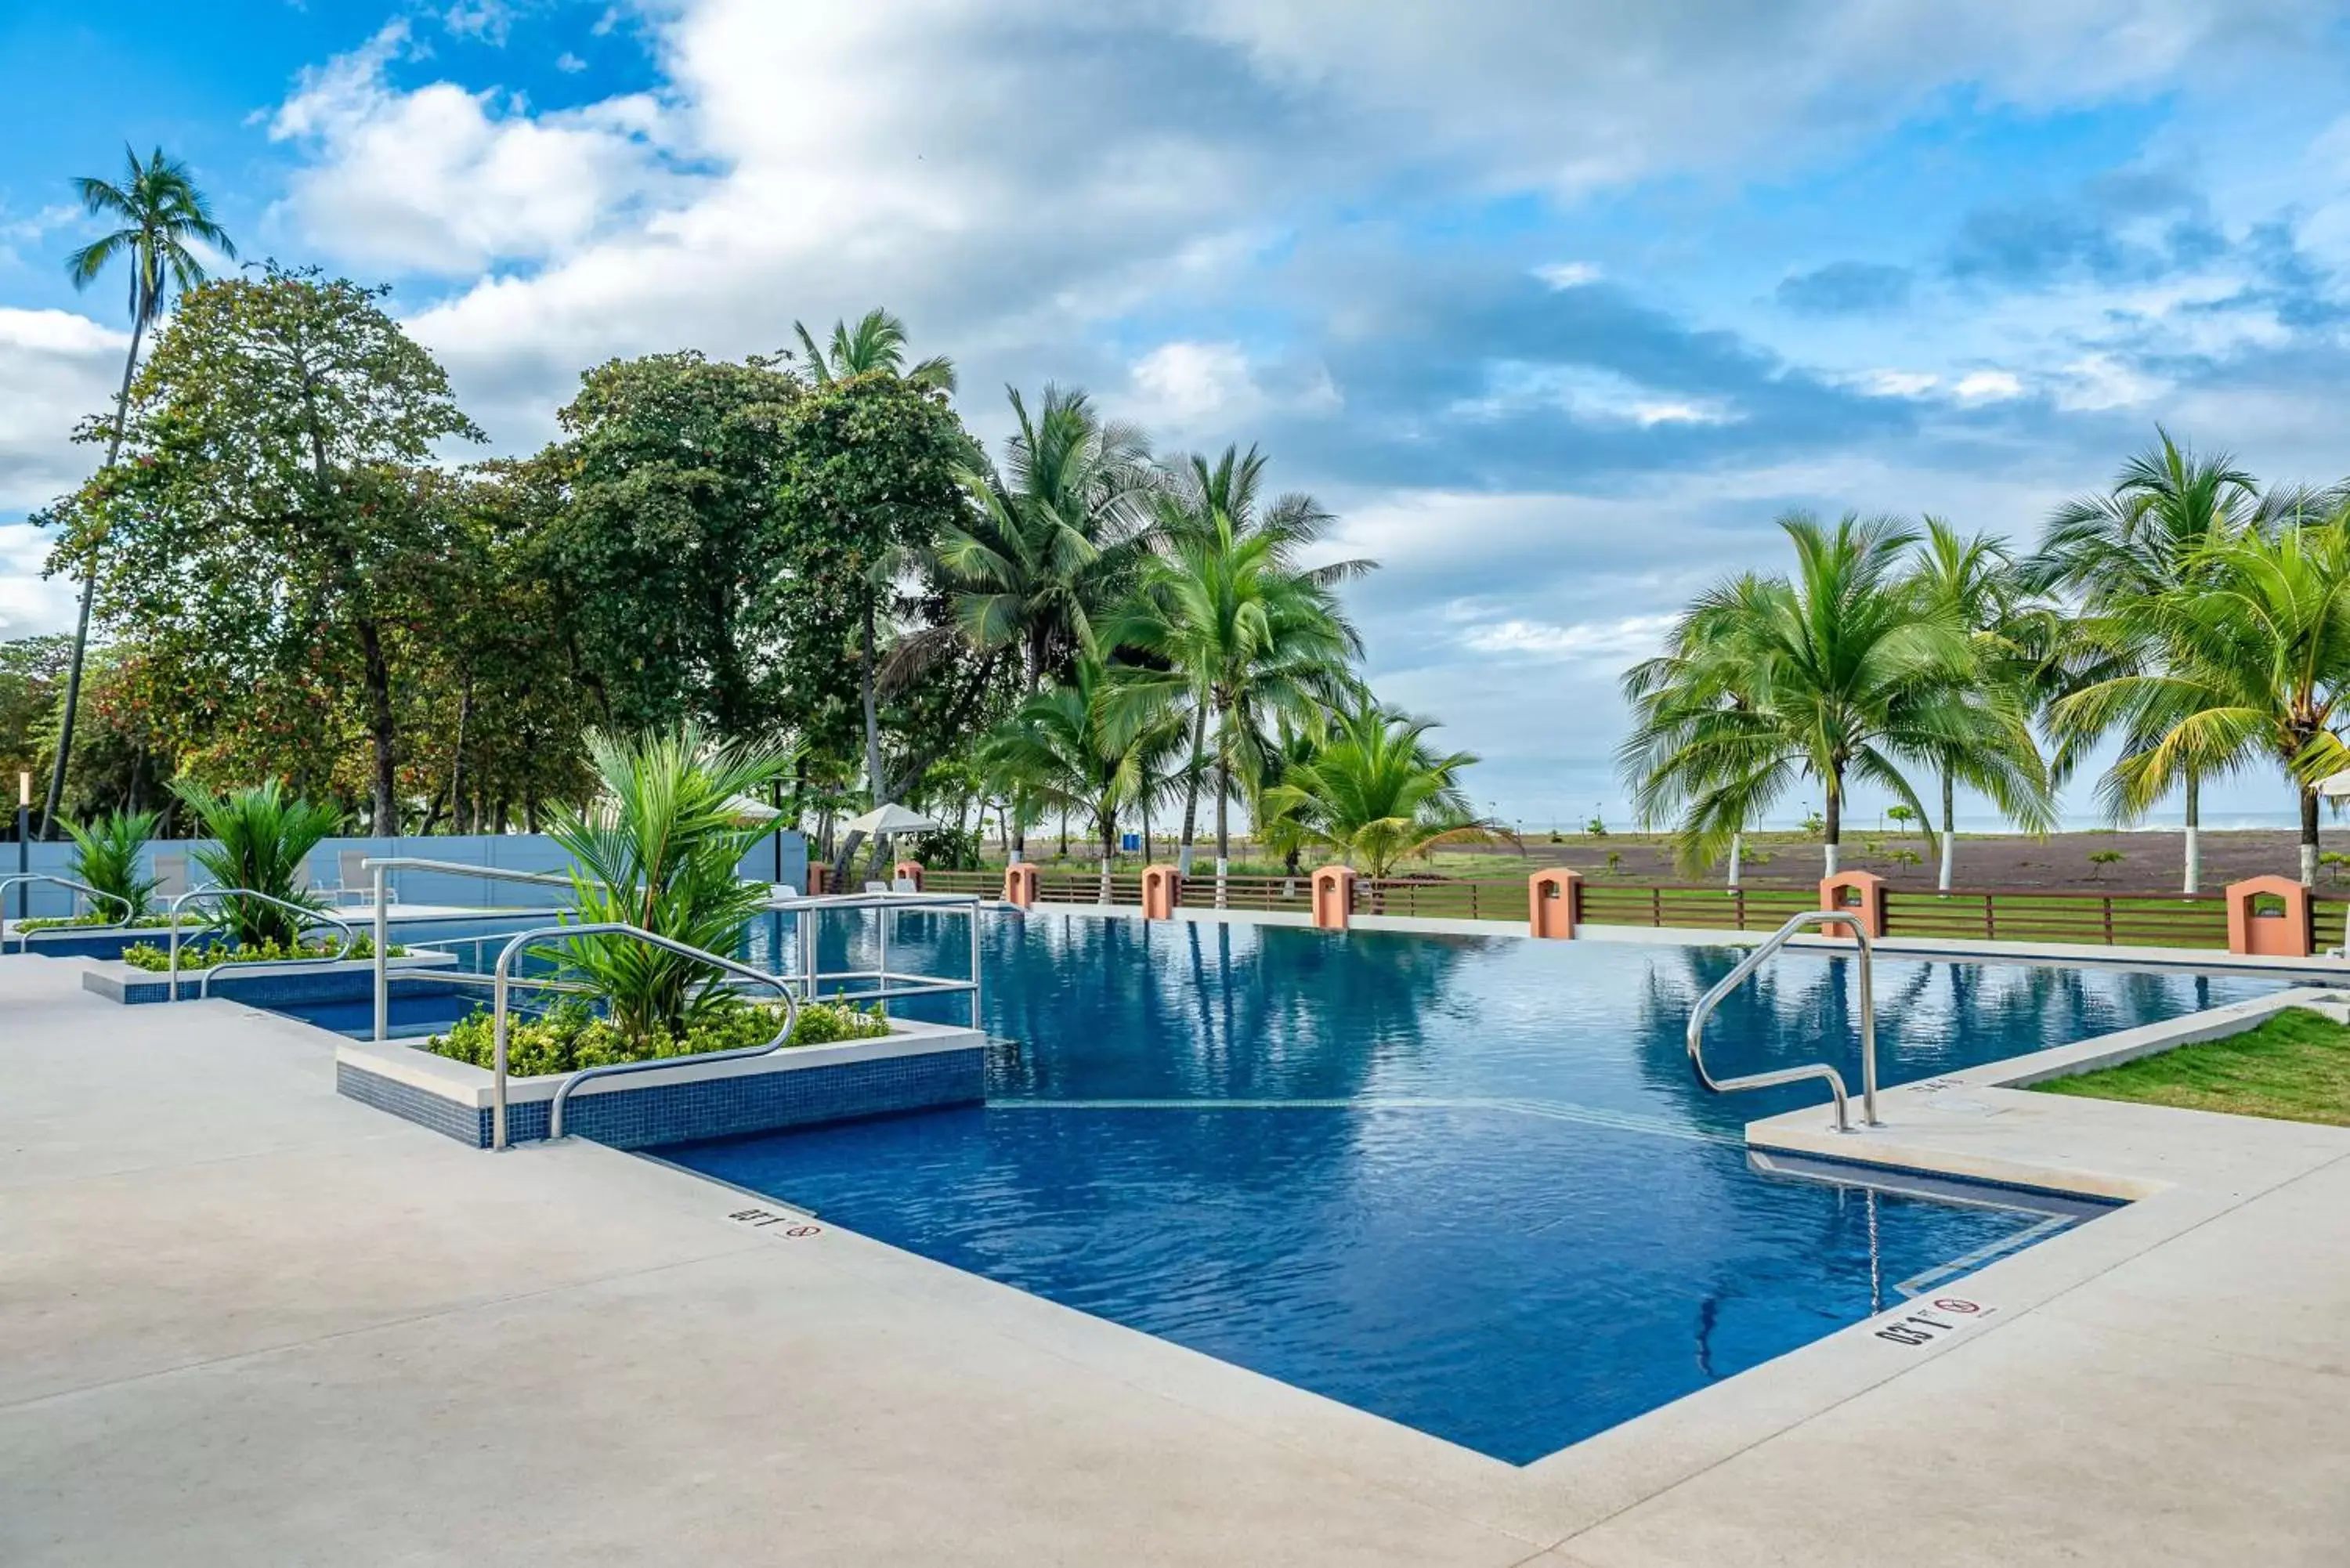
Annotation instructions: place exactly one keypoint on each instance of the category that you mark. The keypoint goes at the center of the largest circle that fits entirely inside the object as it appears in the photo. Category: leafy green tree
(279, 515)
(160, 214)
(662, 508)
(2254, 653)
(1375, 791)
(1846, 668)
(657, 849)
(2135, 543)
(875, 346)
(871, 467)
(32, 670)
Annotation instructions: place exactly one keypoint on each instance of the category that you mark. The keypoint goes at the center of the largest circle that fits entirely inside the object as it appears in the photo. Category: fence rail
(1988, 914)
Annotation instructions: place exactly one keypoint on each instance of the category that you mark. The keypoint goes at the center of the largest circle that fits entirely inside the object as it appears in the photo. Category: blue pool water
(1464, 1183)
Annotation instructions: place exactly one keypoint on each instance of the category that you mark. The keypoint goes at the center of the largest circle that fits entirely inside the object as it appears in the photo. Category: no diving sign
(1925, 1322)
(792, 1227)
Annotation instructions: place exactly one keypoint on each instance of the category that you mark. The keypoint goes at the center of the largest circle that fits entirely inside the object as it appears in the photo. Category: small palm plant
(1376, 792)
(658, 849)
(262, 841)
(106, 858)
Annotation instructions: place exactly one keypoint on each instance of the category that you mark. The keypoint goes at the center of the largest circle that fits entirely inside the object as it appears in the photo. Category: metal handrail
(563, 1091)
(273, 966)
(379, 866)
(810, 977)
(1754, 961)
(22, 878)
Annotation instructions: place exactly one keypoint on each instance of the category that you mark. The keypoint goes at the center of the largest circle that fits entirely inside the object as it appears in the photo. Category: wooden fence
(1988, 914)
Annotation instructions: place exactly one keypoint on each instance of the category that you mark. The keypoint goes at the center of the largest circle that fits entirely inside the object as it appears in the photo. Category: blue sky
(1558, 304)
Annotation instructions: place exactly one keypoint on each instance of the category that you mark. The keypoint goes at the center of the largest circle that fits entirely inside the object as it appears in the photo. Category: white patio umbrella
(884, 821)
(742, 808)
(2335, 787)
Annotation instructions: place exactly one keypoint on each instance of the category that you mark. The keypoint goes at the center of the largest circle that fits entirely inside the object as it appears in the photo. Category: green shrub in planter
(106, 856)
(571, 1036)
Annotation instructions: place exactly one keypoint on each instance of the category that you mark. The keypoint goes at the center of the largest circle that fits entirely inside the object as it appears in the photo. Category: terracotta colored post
(819, 879)
(1334, 897)
(1862, 892)
(2288, 934)
(1020, 883)
(1163, 892)
(1554, 903)
(907, 871)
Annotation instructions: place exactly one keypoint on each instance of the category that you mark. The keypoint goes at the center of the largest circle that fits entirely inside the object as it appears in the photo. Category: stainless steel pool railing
(273, 966)
(84, 888)
(500, 980)
(379, 868)
(906, 983)
(1754, 961)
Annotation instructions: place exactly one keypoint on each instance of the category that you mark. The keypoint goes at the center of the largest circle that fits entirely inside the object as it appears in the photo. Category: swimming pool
(1465, 1183)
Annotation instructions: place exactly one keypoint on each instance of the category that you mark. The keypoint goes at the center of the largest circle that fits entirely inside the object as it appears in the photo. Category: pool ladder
(1754, 961)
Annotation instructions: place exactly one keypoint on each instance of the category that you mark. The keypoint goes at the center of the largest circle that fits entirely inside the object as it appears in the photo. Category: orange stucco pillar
(2287, 934)
(1334, 897)
(1554, 903)
(907, 871)
(1863, 893)
(1020, 883)
(1163, 892)
(820, 880)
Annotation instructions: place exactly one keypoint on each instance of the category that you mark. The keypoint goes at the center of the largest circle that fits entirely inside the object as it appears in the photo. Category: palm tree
(1374, 791)
(878, 342)
(1233, 637)
(262, 840)
(1059, 533)
(1845, 669)
(2253, 654)
(1202, 503)
(2136, 543)
(160, 214)
(1973, 583)
(1074, 746)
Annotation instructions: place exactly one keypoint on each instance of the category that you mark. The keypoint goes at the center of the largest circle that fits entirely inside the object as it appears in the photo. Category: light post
(24, 837)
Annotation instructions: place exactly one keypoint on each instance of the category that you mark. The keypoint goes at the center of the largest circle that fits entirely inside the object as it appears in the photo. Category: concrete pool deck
(248, 1321)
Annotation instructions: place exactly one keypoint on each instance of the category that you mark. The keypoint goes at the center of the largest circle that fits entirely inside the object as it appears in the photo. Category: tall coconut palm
(2137, 542)
(1202, 500)
(1235, 636)
(1845, 669)
(1375, 791)
(1057, 535)
(878, 342)
(2254, 656)
(1972, 582)
(159, 214)
(1074, 746)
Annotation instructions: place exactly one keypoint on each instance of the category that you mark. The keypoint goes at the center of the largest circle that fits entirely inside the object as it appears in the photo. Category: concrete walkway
(246, 1321)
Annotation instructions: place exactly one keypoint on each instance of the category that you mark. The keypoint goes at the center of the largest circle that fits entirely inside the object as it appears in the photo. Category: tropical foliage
(658, 849)
(1375, 791)
(261, 844)
(106, 858)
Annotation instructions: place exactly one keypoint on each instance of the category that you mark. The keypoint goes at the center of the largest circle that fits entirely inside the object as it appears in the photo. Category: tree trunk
(88, 591)
(1191, 793)
(1224, 826)
(1950, 831)
(1736, 856)
(381, 727)
(1110, 847)
(2194, 824)
(866, 682)
(457, 755)
(1831, 837)
(2308, 837)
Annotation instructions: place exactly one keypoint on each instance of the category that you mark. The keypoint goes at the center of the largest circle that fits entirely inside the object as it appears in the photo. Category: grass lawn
(2295, 1067)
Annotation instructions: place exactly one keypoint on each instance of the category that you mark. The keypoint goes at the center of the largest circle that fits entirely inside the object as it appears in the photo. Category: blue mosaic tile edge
(709, 1107)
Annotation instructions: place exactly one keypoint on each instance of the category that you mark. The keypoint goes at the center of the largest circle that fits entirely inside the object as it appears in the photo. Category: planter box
(68, 942)
(919, 1066)
(352, 980)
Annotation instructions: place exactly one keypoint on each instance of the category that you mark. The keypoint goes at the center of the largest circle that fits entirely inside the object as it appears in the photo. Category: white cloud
(570, 64)
(1190, 385)
(443, 179)
(1568, 275)
(1609, 643)
(1987, 386)
(1896, 383)
(490, 21)
(55, 367)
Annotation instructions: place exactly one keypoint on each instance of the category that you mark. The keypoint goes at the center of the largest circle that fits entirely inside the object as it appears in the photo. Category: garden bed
(344, 979)
(2293, 1066)
(916, 1066)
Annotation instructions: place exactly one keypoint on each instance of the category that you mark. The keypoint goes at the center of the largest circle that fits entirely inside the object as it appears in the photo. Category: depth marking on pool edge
(795, 1226)
(1938, 1319)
